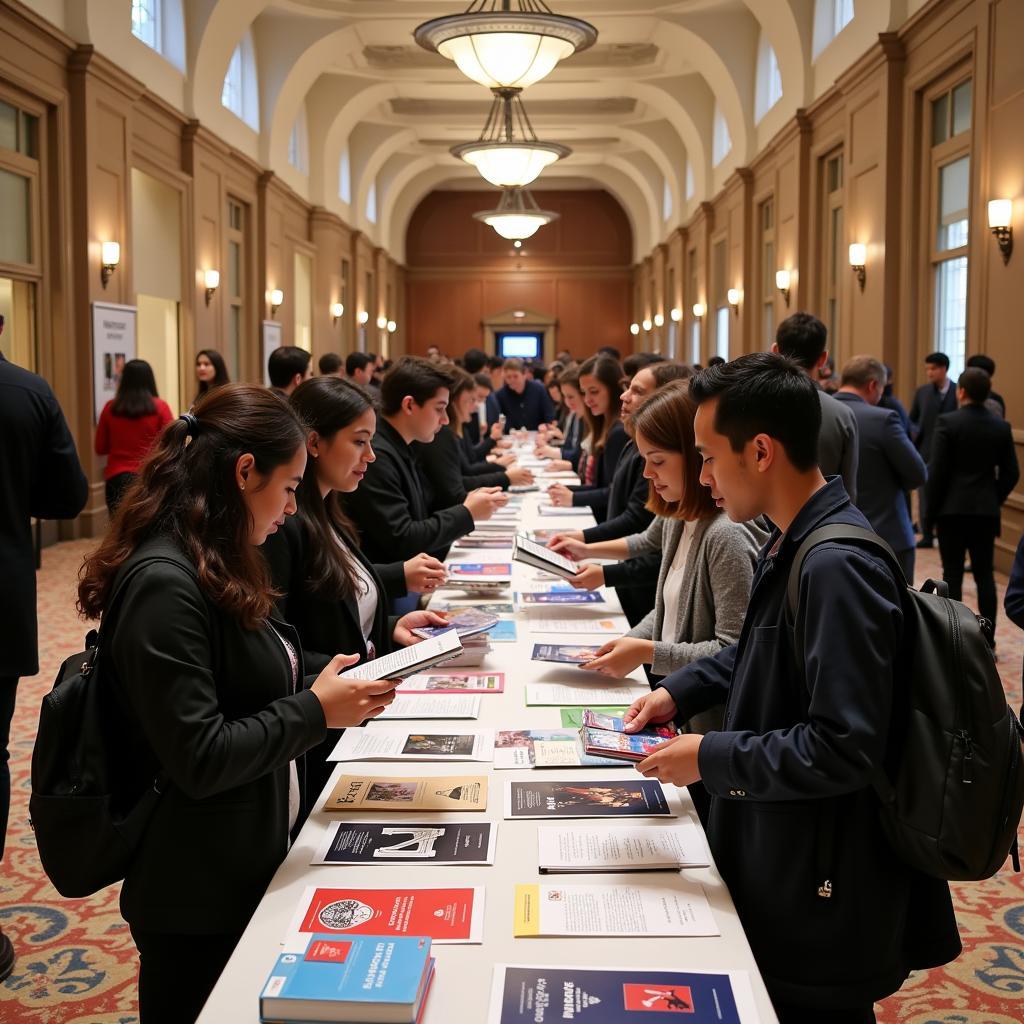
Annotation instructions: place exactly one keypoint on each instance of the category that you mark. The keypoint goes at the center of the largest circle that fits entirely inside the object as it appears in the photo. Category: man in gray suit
(802, 337)
(889, 464)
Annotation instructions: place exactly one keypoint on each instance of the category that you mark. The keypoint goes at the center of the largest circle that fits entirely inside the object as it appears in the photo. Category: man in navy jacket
(834, 919)
(524, 402)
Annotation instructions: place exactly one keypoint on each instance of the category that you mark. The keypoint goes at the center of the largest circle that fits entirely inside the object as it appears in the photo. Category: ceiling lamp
(504, 46)
(508, 153)
(517, 215)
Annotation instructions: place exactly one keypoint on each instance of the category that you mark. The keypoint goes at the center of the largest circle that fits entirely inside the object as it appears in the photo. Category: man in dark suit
(889, 464)
(971, 472)
(40, 476)
(523, 401)
(931, 401)
(995, 401)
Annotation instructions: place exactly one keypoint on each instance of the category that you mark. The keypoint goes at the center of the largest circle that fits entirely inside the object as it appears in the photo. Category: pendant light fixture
(506, 43)
(517, 216)
(508, 153)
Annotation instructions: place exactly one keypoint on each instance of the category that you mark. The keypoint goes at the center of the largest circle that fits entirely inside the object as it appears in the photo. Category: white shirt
(366, 597)
(293, 775)
(673, 586)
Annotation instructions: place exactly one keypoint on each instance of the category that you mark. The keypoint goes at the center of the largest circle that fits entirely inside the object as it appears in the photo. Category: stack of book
(475, 576)
(605, 736)
(472, 626)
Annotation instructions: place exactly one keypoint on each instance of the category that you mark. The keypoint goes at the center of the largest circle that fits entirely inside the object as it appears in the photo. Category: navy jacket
(792, 812)
(572, 442)
(596, 495)
(529, 409)
(448, 471)
(928, 406)
(888, 466)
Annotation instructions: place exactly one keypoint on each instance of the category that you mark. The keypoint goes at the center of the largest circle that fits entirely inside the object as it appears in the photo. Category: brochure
(601, 718)
(405, 793)
(468, 622)
(677, 909)
(584, 848)
(490, 607)
(378, 842)
(496, 541)
(478, 570)
(406, 660)
(572, 510)
(431, 705)
(546, 994)
(579, 624)
(372, 744)
(451, 682)
(585, 692)
(505, 632)
(581, 798)
(445, 915)
(529, 552)
(601, 742)
(564, 654)
(561, 597)
(572, 718)
(544, 748)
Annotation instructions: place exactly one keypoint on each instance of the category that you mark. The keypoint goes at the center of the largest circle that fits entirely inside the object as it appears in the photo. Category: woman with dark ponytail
(207, 690)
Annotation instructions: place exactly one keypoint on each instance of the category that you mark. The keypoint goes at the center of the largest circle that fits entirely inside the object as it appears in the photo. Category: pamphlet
(581, 798)
(406, 660)
(504, 632)
(572, 718)
(372, 744)
(478, 570)
(677, 909)
(544, 748)
(405, 793)
(468, 622)
(601, 718)
(584, 848)
(569, 597)
(565, 654)
(602, 742)
(571, 510)
(489, 607)
(378, 842)
(431, 705)
(452, 682)
(496, 541)
(585, 693)
(529, 552)
(579, 624)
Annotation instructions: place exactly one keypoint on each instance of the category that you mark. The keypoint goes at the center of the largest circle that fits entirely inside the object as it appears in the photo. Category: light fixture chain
(524, 121)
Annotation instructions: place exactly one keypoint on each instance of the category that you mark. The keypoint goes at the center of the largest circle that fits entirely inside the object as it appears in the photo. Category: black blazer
(572, 441)
(212, 703)
(391, 510)
(973, 466)
(40, 476)
(596, 495)
(928, 406)
(448, 471)
(627, 498)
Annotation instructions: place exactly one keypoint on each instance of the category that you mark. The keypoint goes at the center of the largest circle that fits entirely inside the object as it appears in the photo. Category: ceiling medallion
(517, 216)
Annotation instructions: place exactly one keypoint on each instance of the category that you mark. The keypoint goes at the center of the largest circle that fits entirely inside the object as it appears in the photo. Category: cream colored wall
(303, 302)
(157, 343)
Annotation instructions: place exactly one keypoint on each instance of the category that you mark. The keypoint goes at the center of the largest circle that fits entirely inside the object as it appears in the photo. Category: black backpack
(951, 790)
(85, 838)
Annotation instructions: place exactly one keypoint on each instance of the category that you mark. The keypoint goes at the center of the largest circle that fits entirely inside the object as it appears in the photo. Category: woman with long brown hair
(207, 689)
(211, 371)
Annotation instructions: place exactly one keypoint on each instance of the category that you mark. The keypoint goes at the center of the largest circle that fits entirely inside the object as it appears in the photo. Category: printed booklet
(402, 793)
(564, 654)
(544, 748)
(529, 552)
(591, 848)
(583, 624)
(582, 798)
(598, 718)
(464, 682)
(479, 575)
(468, 622)
(432, 705)
(406, 660)
(585, 692)
(379, 842)
(569, 597)
(601, 743)
(373, 744)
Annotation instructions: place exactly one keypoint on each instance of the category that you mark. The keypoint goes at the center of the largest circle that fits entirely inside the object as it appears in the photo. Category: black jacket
(973, 465)
(528, 408)
(572, 441)
(448, 471)
(391, 509)
(213, 704)
(789, 775)
(40, 476)
(928, 406)
(596, 494)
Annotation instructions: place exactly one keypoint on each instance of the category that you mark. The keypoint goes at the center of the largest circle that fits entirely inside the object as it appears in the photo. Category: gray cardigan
(717, 576)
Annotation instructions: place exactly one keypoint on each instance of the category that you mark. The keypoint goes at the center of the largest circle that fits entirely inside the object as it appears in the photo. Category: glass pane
(834, 174)
(15, 244)
(695, 342)
(722, 332)
(962, 107)
(951, 312)
(767, 216)
(234, 340)
(769, 325)
(234, 270)
(833, 324)
(940, 119)
(17, 307)
(954, 183)
(8, 127)
(28, 144)
(769, 269)
(835, 240)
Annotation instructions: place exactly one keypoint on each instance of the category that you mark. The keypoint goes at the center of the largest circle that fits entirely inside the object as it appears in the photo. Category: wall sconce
(211, 278)
(858, 257)
(634, 329)
(733, 296)
(110, 256)
(382, 322)
(392, 327)
(276, 299)
(676, 314)
(337, 311)
(363, 316)
(646, 324)
(782, 279)
(1000, 218)
(699, 309)
(659, 319)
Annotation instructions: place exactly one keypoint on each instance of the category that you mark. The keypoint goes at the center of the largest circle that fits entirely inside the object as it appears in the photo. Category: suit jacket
(973, 466)
(889, 465)
(212, 703)
(572, 441)
(596, 495)
(530, 408)
(448, 471)
(627, 500)
(40, 476)
(391, 510)
(928, 406)
(837, 443)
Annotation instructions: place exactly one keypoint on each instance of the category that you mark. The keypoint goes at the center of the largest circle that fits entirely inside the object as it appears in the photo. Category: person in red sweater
(128, 426)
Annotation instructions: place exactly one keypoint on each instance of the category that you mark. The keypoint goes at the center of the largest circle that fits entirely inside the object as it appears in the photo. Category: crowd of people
(271, 536)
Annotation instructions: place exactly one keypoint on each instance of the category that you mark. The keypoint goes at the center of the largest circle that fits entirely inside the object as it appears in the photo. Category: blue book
(364, 978)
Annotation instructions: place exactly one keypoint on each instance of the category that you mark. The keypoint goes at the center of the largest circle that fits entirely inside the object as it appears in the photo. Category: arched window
(160, 24)
(768, 87)
(721, 143)
(830, 18)
(666, 201)
(690, 187)
(345, 177)
(240, 92)
(371, 203)
(298, 143)
(146, 22)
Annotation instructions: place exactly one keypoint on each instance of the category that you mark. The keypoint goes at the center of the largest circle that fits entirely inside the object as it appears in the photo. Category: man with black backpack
(836, 920)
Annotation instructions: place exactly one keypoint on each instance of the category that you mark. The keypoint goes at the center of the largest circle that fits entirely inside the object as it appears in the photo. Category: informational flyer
(371, 744)
(561, 597)
(564, 654)
(586, 693)
(452, 682)
(677, 909)
(405, 794)
(381, 842)
(445, 915)
(582, 798)
(544, 748)
(583, 848)
(432, 705)
(579, 624)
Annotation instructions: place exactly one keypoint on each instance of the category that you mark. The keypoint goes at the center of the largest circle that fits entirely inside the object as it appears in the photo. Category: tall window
(768, 86)
(345, 177)
(950, 160)
(237, 327)
(766, 276)
(721, 142)
(831, 258)
(670, 304)
(692, 298)
(371, 202)
(146, 22)
(666, 200)
(298, 143)
(719, 259)
(240, 90)
(160, 24)
(690, 189)
(830, 18)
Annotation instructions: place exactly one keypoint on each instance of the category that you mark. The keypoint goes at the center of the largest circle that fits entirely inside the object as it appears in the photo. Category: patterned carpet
(76, 961)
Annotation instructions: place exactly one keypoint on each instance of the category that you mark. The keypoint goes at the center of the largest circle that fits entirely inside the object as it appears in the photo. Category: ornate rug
(76, 961)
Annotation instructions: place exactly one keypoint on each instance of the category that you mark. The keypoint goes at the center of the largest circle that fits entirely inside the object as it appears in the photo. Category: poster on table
(381, 842)
(113, 344)
(271, 340)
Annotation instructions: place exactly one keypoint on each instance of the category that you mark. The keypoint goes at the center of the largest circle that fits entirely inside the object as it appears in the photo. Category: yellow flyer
(527, 914)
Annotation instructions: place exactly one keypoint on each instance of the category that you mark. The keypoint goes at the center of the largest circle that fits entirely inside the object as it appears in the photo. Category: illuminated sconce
(646, 324)
(676, 314)
(276, 299)
(858, 258)
(734, 296)
(211, 278)
(634, 329)
(1000, 220)
(782, 281)
(659, 319)
(392, 327)
(382, 322)
(110, 256)
(337, 311)
(699, 309)
(363, 316)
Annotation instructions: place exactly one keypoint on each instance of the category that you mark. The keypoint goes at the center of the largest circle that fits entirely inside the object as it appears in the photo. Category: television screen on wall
(519, 344)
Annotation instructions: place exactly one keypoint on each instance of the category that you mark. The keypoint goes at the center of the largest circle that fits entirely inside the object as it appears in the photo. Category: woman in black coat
(207, 688)
(329, 591)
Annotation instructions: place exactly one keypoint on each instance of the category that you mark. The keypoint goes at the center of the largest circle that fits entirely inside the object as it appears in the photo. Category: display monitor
(519, 344)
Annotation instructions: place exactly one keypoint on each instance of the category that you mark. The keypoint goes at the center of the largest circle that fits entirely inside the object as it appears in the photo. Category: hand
(348, 702)
(520, 476)
(560, 495)
(404, 627)
(674, 761)
(483, 501)
(618, 658)
(424, 573)
(654, 708)
(557, 465)
(505, 442)
(497, 432)
(590, 577)
(546, 451)
(504, 459)
(570, 543)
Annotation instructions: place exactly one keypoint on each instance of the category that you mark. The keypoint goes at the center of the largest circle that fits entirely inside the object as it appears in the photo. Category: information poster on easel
(271, 340)
(113, 344)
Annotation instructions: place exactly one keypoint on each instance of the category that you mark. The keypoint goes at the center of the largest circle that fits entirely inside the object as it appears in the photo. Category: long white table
(461, 988)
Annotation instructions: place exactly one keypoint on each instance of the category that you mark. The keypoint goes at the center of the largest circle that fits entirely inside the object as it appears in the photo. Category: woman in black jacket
(207, 687)
(330, 592)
